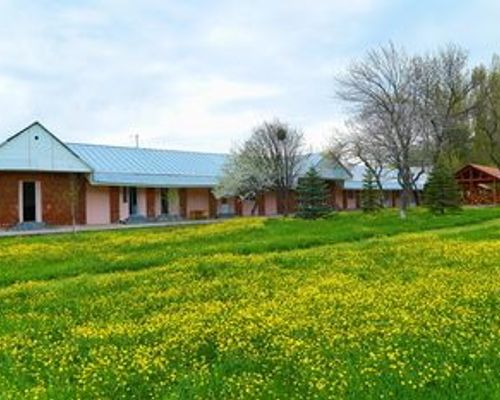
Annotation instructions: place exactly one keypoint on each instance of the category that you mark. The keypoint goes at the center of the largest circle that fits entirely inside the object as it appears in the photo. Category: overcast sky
(199, 75)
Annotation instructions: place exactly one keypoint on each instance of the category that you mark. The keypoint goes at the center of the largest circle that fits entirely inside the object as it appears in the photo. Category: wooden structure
(479, 184)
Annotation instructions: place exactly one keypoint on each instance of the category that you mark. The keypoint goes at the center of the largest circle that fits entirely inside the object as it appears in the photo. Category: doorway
(132, 201)
(29, 202)
(164, 201)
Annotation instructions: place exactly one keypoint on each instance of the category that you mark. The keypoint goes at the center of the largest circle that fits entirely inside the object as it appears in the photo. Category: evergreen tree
(370, 197)
(441, 191)
(312, 196)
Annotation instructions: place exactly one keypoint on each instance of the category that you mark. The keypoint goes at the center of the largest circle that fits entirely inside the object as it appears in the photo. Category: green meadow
(349, 307)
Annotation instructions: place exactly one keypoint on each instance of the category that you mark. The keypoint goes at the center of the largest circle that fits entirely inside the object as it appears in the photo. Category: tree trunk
(406, 192)
(416, 196)
(285, 202)
(254, 207)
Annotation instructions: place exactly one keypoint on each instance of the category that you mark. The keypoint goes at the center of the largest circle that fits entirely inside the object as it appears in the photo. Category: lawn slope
(351, 307)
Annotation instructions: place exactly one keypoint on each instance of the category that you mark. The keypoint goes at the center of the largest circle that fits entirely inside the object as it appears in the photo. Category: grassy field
(351, 307)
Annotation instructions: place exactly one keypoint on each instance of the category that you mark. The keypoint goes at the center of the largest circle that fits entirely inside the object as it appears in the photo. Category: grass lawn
(351, 307)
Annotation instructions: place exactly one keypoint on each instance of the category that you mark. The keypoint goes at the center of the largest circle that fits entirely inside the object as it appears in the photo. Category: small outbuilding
(480, 184)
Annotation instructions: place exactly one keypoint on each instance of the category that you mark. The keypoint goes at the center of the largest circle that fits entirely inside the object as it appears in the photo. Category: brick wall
(55, 192)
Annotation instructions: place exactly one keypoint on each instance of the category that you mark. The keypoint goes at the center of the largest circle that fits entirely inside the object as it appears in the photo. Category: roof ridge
(146, 148)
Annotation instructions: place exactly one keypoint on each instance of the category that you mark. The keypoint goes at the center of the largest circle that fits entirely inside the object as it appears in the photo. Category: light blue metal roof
(389, 179)
(130, 166)
(326, 167)
(113, 165)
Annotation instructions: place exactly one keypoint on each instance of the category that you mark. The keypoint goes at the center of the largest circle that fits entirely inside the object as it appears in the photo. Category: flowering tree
(269, 160)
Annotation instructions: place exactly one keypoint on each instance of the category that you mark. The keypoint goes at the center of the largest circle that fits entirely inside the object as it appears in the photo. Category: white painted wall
(38, 199)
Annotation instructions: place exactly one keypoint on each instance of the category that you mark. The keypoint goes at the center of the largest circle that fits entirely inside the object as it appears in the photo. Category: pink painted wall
(173, 205)
(270, 202)
(351, 199)
(197, 199)
(124, 206)
(141, 201)
(339, 200)
(247, 208)
(157, 202)
(97, 204)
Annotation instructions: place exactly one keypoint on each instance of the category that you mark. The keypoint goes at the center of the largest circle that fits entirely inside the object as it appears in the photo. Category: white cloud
(195, 75)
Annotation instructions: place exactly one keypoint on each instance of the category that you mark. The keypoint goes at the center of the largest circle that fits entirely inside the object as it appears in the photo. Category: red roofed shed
(480, 184)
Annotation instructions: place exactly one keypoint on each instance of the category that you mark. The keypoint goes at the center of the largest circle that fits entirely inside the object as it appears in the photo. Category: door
(164, 201)
(29, 202)
(132, 201)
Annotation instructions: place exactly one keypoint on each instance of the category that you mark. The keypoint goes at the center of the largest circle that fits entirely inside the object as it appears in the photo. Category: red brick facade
(58, 198)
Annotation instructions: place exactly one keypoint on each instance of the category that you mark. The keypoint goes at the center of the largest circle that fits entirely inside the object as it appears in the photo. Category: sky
(199, 75)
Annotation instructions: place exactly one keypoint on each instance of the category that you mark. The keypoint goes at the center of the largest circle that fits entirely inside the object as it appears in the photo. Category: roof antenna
(136, 137)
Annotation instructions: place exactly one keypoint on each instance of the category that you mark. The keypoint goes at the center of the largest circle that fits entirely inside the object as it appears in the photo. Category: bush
(370, 197)
(441, 192)
(312, 196)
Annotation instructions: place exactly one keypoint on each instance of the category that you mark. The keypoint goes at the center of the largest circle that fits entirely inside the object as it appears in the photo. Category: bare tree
(487, 116)
(269, 160)
(73, 197)
(381, 88)
(356, 146)
(445, 86)
(243, 176)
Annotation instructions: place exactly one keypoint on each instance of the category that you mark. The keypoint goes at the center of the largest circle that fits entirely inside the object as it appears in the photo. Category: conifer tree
(441, 191)
(370, 197)
(312, 196)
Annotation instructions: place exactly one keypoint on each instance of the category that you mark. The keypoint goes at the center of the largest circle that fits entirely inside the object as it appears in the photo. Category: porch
(479, 184)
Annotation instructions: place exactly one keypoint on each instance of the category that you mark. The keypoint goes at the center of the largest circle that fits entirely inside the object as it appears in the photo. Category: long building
(44, 180)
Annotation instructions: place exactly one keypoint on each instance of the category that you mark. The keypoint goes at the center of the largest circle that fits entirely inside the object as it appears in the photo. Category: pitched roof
(326, 167)
(37, 148)
(130, 166)
(150, 167)
(494, 172)
(115, 165)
